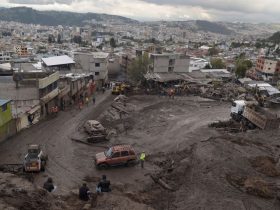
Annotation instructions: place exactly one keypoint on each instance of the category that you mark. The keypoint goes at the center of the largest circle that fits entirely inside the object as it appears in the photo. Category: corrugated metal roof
(58, 60)
(4, 101)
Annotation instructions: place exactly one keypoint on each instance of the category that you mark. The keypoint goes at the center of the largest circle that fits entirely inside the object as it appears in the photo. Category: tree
(51, 38)
(113, 43)
(217, 63)
(213, 51)
(77, 39)
(241, 66)
(59, 39)
(138, 68)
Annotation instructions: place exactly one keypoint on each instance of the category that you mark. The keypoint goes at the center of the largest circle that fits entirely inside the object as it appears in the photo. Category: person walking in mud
(142, 159)
(93, 99)
(87, 101)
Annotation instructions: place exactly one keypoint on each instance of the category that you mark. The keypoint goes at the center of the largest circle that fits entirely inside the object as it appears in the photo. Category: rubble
(266, 165)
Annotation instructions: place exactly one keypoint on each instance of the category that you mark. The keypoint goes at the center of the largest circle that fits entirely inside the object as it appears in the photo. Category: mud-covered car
(115, 156)
(94, 127)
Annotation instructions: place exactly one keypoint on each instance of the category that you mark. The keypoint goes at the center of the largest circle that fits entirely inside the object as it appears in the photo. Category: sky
(148, 10)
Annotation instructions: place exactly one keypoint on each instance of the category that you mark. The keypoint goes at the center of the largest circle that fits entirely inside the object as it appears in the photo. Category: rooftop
(4, 101)
(58, 60)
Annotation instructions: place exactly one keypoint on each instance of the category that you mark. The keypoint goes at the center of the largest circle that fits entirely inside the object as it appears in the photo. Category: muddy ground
(203, 168)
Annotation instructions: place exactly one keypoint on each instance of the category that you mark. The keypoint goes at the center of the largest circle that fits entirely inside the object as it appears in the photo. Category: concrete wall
(5, 116)
(161, 64)
(269, 66)
(182, 65)
(7, 130)
(44, 82)
(87, 62)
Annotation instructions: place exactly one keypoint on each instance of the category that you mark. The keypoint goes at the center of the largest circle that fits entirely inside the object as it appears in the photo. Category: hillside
(275, 37)
(53, 18)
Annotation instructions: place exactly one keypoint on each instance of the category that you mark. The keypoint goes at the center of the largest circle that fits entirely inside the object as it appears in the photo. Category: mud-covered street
(201, 165)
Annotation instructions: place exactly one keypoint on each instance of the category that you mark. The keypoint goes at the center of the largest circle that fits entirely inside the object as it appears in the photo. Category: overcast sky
(225, 10)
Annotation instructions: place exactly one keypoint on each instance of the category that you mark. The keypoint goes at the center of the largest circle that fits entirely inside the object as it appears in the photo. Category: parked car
(94, 127)
(116, 155)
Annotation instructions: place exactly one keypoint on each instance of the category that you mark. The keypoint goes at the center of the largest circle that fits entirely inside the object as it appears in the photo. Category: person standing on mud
(142, 159)
(84, 193)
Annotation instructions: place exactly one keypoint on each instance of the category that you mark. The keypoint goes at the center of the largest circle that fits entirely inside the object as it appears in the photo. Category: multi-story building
(168, 63)
(32, 94)
(267, 67)
(95, 63)
(21, 50)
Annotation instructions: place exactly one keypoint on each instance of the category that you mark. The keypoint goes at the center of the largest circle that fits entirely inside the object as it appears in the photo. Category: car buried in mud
(115, 156)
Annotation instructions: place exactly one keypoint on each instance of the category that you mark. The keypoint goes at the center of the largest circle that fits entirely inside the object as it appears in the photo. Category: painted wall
(5, 116)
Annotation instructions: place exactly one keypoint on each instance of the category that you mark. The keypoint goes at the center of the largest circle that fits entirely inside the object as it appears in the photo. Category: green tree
(241, 66)
(51, 38)
(113, 43)
(217, 63)
(138, 68)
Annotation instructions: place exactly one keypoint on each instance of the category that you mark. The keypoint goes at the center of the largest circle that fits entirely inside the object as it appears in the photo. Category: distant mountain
(213, 27)
(54, 18)
(275, 38)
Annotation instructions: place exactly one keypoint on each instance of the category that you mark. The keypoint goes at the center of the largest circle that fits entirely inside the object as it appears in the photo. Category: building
(58, 63)
(169, 63)
(267, 67)
(21, 50)
(7, 127)
(32, 93)
(95, 63)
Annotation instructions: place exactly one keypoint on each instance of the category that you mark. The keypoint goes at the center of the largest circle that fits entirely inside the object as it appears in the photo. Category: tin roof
(4, 101)
(58, 60)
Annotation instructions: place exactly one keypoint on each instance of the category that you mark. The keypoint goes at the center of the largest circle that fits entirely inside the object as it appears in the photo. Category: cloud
(40, 2)
(225, 10)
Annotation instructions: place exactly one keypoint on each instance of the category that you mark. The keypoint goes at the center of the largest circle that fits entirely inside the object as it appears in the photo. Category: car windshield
(108, 153)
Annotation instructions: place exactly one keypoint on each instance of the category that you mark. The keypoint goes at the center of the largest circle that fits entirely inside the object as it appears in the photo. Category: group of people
(103, 186)
(84, 192)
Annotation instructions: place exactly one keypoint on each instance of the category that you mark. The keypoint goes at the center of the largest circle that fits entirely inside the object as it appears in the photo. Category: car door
(124, 157)
(115, 158)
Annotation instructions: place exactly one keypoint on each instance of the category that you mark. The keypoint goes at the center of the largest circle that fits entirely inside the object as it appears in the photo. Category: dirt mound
(18, 193)
(259, 187)
(265, 165)
(253, 185)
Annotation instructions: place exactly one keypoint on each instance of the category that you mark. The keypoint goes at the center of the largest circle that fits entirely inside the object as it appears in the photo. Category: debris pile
(230, 126)
(265, 165)
(223, 91)
(253, 185)
(18, 193)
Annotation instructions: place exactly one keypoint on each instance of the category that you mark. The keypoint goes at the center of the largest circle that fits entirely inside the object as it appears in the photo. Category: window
(4, 107)
(124, 153)
(97, 64)
(96, 73)
(116, 155)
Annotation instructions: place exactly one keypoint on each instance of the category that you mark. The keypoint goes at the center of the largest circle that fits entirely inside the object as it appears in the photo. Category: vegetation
(242, 65)
(113, 43)
(217, 63)
(213, 51)
(138, 68)
(77, 39)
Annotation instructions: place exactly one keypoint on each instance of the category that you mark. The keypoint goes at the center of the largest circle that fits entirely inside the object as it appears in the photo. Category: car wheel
(103, 166)
(130, 163)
